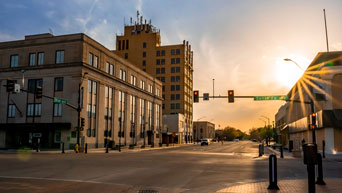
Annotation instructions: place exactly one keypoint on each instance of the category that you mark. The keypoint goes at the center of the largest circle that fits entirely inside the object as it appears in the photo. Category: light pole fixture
(290, 60)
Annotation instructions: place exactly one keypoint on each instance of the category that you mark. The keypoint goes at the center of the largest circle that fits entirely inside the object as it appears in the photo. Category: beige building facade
(204, 130)
(171, 64)
(119, 102)
(322, 81)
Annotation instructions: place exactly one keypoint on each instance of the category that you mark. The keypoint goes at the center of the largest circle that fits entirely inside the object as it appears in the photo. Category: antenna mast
(326, 30)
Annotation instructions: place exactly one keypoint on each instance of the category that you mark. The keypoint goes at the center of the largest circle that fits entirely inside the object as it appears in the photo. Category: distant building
(204, 129)
(121, 103)
(171, 64)
(321, 80)
(174, 128)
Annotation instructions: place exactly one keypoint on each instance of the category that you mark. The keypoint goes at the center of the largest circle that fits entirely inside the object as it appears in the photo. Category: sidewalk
(333, 185)
(97, 150)
(287, 154)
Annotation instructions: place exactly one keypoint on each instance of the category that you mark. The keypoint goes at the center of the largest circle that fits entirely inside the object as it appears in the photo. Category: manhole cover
(148, 191)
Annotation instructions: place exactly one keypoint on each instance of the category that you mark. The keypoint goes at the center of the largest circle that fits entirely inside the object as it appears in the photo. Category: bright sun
(288, 73)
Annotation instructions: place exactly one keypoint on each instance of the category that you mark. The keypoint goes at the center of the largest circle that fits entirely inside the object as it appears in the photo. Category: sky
(239, 43)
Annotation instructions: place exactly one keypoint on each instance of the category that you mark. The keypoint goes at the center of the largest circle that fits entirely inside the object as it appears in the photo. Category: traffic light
(230, 96)
(10, 85)
(313, 120)
(82, 123)
(39, 92)
(196, 96)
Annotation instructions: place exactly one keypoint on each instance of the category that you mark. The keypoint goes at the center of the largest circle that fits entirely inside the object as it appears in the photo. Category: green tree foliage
(230, 133)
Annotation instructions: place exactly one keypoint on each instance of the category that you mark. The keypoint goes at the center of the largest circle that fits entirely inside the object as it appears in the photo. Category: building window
(144, 62)
(177, 105)
(38, 109)
(96, 60)
(126, 55)
(144, 45)
(127, 44)
(14, 61)
(177, 87)
(60, 57)
(162, 61)
(94, 111)
(91, 59)
(177, 96)
(29, 110)
(150, 88)
(172, 106)
(172, 97)
(163, 53)
(172, 87)
(173, 61)
(59, 84)
(40, 58)
(107, 67)
(33, 83)
(144, 54)
(57, 110)
(32, 59)
(119, 45)
(162, 70)
(133, 80)
(88, 110)
(11, 111)
(177, 60)
(111, 69)
(158, 70)
(163, 88)
(122, 75)
(158, 53)
(173, 52)
(158, 62)
(177, 51)
(162, 79)
(142, 84)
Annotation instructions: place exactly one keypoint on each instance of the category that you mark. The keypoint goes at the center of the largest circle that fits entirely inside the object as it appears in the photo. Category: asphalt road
(191, 168)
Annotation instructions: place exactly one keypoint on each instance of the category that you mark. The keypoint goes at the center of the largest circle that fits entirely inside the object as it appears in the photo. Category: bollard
(260, 153)
(38, 140)
(106, 148)
(86, 148)
(310, 160)
(281, 151)
(273, 173)
(323, 148)
(262, 149)
(320, 180)
(63, 147)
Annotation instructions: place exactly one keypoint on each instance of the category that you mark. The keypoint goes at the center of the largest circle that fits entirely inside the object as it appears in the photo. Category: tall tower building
(171, 64)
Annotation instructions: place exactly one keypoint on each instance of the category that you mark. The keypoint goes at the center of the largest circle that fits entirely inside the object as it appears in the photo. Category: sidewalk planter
(143, 146)
(131, 146)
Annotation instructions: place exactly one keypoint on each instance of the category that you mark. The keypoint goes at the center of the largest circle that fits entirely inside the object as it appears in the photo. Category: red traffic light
(195, 93)
(313, 114)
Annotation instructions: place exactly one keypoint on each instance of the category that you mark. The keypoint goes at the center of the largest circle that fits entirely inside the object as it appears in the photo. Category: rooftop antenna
(131, 21)
(124, 21)
(138, 16)
(326, 30)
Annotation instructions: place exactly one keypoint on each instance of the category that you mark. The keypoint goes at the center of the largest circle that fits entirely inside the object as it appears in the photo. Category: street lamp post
(311, 103)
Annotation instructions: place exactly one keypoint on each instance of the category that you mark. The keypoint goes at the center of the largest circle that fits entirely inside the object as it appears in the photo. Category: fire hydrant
(76, 148)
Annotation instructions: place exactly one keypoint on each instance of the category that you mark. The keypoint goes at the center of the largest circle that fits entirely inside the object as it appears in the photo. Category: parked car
(254, 140)
(236, 140)
(205, 142)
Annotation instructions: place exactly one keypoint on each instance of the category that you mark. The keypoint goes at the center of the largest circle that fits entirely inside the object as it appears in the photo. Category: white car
(236, 140)
(205, 142)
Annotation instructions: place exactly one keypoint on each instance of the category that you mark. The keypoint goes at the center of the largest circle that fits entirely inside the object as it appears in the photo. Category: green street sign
(58, 100)
(263, 98)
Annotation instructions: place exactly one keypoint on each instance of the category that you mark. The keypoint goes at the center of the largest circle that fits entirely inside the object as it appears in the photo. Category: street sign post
(263, 98)
(205, 96)
(58, 100)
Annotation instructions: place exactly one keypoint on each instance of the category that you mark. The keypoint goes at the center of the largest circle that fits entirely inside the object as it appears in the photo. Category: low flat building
(174, 128)
(119, 103)
(203, 130)
(321, 83)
